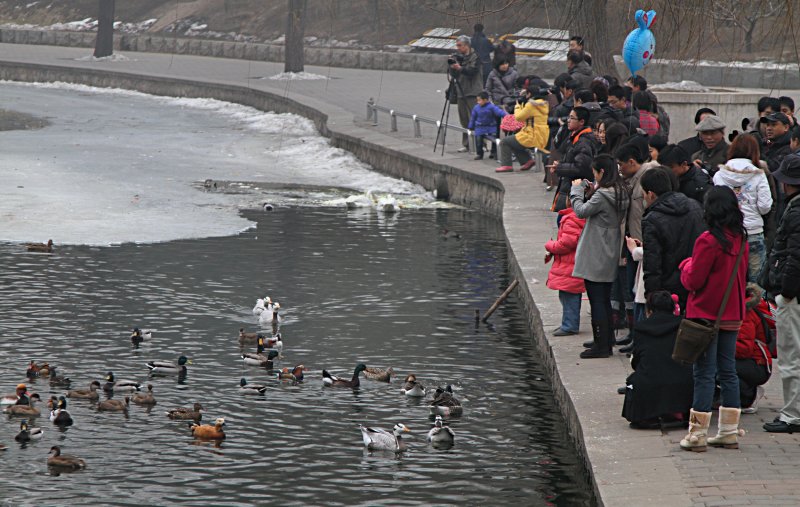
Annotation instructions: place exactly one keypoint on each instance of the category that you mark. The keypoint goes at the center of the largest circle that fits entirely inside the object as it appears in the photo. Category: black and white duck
(441, 434)
(378, 439)
(27, 433)
(59, 415)
(412, 387)
(445, 404)
(329, 380)
(113, 385)
(169, 367)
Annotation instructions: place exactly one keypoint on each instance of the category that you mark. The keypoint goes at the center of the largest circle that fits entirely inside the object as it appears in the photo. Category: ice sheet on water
(120, 166)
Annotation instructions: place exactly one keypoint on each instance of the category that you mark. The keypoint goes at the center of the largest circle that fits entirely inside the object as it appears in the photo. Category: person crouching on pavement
(753, 357)
(484, 122)
(531, 109)
(570, 288)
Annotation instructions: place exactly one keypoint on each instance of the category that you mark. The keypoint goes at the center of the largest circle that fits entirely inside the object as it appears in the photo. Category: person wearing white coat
(743, 174)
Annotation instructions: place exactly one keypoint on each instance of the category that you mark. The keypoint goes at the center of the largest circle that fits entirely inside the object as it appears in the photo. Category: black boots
(629, 337)
(602, 344)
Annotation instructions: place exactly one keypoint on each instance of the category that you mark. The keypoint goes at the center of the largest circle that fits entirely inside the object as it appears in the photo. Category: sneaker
(561, 332)
(478, 157)
(504, 169)
(548, 188)
(527, 165)
(753, 408)
(463, 149)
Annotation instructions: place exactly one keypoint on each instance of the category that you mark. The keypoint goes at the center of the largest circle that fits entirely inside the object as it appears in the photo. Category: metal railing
(417, 121)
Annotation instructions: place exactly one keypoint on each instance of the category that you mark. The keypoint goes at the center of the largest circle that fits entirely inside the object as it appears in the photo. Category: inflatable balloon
(640, 44)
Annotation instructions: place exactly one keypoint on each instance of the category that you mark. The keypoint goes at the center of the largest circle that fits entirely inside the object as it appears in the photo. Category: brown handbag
(695, 335)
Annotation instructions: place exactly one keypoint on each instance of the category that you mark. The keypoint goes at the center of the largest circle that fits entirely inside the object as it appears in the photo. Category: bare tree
(104, 44)
(745, 15)
(589, 19)
(295, 29)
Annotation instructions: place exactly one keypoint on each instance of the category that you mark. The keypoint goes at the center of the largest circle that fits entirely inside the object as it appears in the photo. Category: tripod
(441, 132)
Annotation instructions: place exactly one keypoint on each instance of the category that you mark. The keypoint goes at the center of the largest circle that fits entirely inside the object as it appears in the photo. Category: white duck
(412, 387)
(356, 201)
(261, 305)
(440, 434)
(270, 315)
(388, 204)
(377, 439)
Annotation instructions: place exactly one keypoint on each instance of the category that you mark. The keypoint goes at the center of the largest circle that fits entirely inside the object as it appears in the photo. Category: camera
(455, 58)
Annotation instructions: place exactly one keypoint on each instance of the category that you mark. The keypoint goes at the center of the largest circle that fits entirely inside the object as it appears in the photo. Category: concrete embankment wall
(387, 155)
(729, 75)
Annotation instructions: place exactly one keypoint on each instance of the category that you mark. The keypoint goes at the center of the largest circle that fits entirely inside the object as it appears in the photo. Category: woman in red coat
(753, 359)
(570, 288)
(705, 275)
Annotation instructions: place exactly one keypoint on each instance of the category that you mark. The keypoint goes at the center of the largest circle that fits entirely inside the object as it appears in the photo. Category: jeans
(570, 311)
(599, 300)
(510, 144)
(717, 362)
(756, 256)
(638, 312)
(479, 143)
(787, 324)
(751, 375)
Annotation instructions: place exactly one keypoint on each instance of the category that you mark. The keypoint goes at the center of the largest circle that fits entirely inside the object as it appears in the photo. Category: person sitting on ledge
(659, 390)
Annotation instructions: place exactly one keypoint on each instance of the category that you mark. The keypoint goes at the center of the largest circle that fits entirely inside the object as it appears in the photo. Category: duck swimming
(295, 375)
(387, 204)
(58, 380)
(245, 338)
(32, 371)
(261, 305)
(86, 394)
(412, 387)
(20, 397)
(356, 201)
(440, 434)
(114, 405)
(377, 439)
(379, 374)
(120, 385)
(28, 410)
(444, 403)
(185, 414)
(145, 399)
(26, 433)
(329, 380)
(40, 247)
(246, 388)
(137, 337)
(258, 358)
(59, 415)
(208, 432)
(270, 315)
(168, 367)
(64, 461)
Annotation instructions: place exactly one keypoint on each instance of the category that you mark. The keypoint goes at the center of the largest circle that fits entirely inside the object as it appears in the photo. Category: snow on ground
(119, 166)
(116, 57)
(297, 76)
(680, 86)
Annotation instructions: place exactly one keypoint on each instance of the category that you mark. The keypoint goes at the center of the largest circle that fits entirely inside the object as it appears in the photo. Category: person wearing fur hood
(742, 174)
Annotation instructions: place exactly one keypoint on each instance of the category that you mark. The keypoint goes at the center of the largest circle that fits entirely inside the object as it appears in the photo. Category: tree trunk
(748, 37)
(588, 18)
(104, 44)
(295, 29)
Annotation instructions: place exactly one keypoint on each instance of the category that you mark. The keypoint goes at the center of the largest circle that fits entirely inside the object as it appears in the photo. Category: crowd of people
(655, 232)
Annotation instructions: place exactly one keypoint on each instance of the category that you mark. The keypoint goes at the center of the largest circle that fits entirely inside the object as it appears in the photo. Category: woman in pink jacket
(570, 289)
(705, 275)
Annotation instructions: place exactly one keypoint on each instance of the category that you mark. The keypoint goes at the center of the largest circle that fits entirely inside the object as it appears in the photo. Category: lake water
(355, 286)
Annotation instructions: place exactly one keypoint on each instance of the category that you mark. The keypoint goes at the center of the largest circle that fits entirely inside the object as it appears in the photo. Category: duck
(26, 433)
(379, 374)
(364, 200)
(64, 461)
(86, 394)
(245, 338)
(270, 315)
(377, 439)
(246, 388)
(208, 432)
(295, 374)
(412, 387)
(168, 367)
(329, 380)
(440, 434)
(58, 380)
(136, 337)
(261, 305)
(28, 410)
(275, 343)
(59, 415)
(258, 358)
(388, 204)
(120, 385)
(447, 234)
(44, 370)
(114, 405)
(19, 397)
(40, 247)
(146, 398)
(32, 371)
(184, 414)
(444, 403)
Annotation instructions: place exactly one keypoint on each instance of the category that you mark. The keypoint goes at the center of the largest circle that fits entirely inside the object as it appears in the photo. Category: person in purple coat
(484, 121)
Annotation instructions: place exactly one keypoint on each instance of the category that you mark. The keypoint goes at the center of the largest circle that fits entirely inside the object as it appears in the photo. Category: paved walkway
(631, 468)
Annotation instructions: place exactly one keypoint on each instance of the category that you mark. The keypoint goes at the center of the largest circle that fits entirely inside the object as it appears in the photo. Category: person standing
(502, 82)
(484, 47)
(715, 150)
(604, 207)
(578, 69)
(706, 274)
(693, 182)
(694, 144)
(576, 43)
(781, 279)
(570, 289)
(576, 163)
(466, 72)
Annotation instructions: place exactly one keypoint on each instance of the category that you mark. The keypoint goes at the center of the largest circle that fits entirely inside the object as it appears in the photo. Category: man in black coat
(694, 144)
(578, 156)
(484, 47)
(778, 137)
(622, 111)
(693, 181)
(781, 278)
(671, 224)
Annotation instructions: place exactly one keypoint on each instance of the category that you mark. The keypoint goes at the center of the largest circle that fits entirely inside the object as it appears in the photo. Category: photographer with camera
(466, 82)
(532, 110)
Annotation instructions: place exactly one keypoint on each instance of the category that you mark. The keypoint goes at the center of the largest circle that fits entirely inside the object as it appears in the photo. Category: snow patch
(297, 76)
(116, 57)
(682, 86)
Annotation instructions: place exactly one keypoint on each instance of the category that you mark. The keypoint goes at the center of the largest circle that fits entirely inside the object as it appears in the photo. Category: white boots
(727, 435)
(698, 428)
(729, 432)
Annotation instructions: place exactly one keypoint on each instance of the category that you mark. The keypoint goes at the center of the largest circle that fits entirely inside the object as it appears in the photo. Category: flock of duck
(22, 404)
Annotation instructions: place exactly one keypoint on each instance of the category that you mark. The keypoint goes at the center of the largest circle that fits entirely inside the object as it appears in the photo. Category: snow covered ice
(118, 166)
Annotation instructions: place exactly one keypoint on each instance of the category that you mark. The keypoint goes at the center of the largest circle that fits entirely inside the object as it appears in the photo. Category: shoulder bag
(694, 336)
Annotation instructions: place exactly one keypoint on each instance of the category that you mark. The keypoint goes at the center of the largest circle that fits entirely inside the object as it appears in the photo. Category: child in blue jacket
(484, 121)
